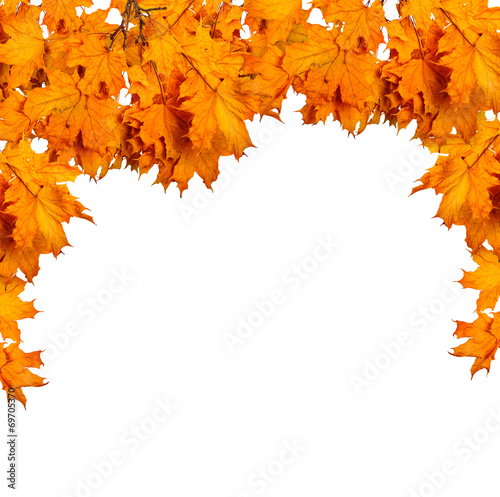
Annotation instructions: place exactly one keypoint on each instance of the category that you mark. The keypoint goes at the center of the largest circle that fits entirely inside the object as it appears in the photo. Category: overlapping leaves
(194, 71)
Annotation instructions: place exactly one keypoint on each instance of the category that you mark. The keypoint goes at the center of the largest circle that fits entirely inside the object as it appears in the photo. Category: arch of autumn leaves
(195, 71)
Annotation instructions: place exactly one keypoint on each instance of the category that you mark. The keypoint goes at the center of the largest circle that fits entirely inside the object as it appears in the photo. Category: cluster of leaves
(173, 83)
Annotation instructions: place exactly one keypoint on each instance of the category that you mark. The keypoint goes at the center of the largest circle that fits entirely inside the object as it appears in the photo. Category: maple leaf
(163, 51)
(465, 175)
(422, 76)
(224, 110)
(61, 15)
(265, 77)
(483, 340)
(23, 50)
(14, 370)
(13, 121)
(161, 126)
(274, 10)
(73, 114)
(362, 24)
(279, 17)
(331, 77)
(37, 200)
(474, 67)
(102, 67)
(13, 309)
(485, 278)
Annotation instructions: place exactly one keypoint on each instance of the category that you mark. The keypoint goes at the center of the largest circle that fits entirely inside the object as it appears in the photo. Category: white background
(315, 375)
(292, 380)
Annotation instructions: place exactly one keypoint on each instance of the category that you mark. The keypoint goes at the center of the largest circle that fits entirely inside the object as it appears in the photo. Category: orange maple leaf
(14, 370)
(483, 341)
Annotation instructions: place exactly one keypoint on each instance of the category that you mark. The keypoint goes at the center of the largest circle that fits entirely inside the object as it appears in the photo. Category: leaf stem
(418, 37)
(19, 178)
(456, 27)
(199, 73)
(212, 31)
(182, 13)
(153, 65)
